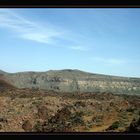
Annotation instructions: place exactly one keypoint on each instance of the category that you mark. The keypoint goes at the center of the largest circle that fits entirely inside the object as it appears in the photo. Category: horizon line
(67, 69)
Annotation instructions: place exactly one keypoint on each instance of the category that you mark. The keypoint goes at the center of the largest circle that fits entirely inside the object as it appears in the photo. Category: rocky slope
(73, 81)
(29, 110)
(24, 110)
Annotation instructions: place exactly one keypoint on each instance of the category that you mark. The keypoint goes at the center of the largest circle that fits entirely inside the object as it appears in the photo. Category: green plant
(114, 126)
(130, 110)
(134, 125)
(38, 127)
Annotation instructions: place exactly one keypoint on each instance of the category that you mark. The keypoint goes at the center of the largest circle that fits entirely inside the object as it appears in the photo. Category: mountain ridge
(68, 101)
(73, 80)
(68, 70)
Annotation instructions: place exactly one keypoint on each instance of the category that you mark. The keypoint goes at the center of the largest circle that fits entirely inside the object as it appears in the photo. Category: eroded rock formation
(74, 81)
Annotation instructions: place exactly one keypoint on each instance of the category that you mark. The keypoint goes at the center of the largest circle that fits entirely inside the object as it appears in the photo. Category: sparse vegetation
(114, 126)
(31, 110)
(134, 125)
(131, 110)
(38, 127)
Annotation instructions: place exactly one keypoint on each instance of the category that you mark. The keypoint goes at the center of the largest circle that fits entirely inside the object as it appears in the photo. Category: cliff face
(74, 81)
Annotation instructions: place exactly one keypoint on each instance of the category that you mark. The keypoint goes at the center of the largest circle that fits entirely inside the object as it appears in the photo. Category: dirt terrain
(32, 110)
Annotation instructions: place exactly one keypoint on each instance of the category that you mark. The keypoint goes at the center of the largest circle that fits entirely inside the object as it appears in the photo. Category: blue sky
(97, 40)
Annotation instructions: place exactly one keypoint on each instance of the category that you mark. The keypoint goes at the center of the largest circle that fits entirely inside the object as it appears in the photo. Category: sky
(97, 40)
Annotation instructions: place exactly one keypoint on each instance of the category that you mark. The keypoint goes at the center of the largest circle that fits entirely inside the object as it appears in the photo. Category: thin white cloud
(27, 29)
(79, 48)
(34, 31)
(113, 61)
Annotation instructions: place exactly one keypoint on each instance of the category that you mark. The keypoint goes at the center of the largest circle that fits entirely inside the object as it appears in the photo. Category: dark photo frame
(70, 4)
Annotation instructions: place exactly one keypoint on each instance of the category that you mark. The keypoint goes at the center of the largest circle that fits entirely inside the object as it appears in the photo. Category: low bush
(114, 126)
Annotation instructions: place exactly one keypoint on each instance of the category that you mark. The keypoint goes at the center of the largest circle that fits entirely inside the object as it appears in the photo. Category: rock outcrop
(74, 81)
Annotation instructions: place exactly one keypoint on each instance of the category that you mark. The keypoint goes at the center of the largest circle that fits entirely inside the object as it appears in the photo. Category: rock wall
(75, 81)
